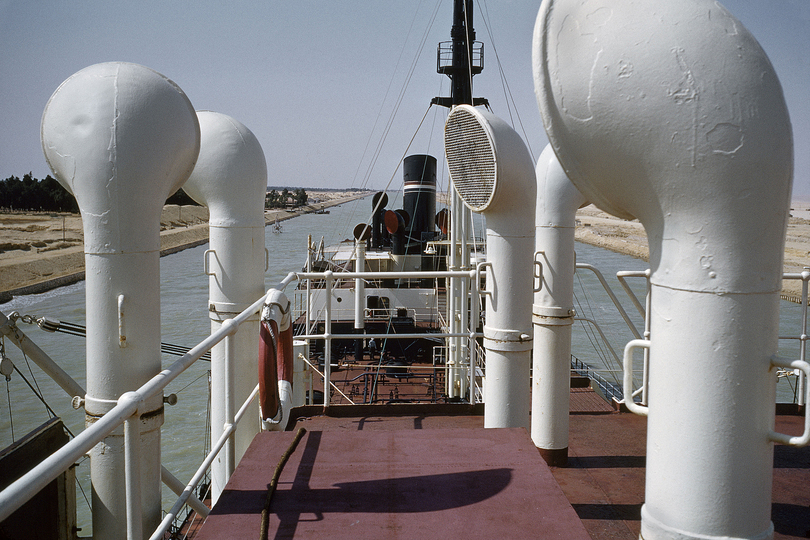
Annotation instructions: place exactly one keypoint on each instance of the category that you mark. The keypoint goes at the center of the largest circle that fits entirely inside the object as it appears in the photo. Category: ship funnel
(230, 178)
(121, 138)
(492, 172)
(419, 196)
(670, 112)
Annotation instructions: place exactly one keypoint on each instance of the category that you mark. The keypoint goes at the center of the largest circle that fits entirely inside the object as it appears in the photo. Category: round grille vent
(470, 157)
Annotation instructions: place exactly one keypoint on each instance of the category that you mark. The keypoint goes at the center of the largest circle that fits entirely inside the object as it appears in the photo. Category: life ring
(268, 370)
(275, 373)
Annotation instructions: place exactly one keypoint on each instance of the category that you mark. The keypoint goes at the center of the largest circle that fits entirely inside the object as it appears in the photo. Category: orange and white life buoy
(268, 370)
(275, 369)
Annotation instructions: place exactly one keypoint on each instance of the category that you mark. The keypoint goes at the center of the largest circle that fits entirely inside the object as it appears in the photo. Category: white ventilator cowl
(492, 172)
(122, 138)
(670, 112)
(231, 180)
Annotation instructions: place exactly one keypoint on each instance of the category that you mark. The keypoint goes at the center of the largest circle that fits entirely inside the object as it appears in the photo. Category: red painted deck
(425, 471)
(406, 483)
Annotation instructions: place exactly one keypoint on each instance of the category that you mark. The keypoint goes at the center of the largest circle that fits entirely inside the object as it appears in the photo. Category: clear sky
(317, 80)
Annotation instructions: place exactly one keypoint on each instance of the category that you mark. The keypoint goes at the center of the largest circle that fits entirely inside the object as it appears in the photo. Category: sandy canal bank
(600, 229)
(39, 252)
(42, 251)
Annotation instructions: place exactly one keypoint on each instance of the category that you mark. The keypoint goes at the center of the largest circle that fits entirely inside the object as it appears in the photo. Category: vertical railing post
(645, 377)
(476, 298)
(803, 339)
(132, 474)
(230, 445)
(309, 285)
(327, 352)
(465, 352)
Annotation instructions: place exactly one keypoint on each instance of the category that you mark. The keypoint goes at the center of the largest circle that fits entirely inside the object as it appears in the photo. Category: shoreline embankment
(603, 230)
(54, 257)
(42, 269)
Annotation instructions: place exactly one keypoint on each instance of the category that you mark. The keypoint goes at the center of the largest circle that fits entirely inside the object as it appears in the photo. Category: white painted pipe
(121, 138)
(300, 375)
(553, 309)
(359, 285)
(231, 180)
(670, 112)
(493, 173)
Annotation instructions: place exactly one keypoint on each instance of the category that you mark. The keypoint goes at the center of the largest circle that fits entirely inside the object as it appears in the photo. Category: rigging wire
(10, 416)
(510, 100)
(398, 102)
(385, 98)
(192, 382)
(37, 392)
(404, 154)
(583, 303)
(39, 396)
(48, 408)
(401, 95)
(74, 329)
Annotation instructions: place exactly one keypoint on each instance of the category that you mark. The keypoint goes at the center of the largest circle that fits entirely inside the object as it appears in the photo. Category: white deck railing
(125, 412)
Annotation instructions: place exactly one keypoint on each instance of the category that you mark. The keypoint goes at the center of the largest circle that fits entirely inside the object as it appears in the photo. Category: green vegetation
(286, 199)
(30, 194)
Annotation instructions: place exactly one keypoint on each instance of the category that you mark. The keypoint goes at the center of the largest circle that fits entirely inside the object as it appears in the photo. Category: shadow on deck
(410, 471)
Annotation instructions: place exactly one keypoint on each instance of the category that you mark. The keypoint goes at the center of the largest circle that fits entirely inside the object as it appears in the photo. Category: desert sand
(628, 237)
(41, 251)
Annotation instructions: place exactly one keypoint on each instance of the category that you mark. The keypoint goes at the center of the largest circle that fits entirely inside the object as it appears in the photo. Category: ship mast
(461, 58)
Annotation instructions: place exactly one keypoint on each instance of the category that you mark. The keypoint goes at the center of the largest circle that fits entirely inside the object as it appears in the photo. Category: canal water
(184, 321)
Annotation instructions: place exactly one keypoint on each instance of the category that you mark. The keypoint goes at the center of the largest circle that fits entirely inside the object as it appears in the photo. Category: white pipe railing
(23, 489)
(471, 276)
(802, 381)
(178, 488)
(802, 337)
(609, 291)
(127, 405)
(198, 476)
(644, 312)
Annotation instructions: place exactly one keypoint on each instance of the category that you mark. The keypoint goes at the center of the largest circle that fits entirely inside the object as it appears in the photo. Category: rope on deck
(271, 488)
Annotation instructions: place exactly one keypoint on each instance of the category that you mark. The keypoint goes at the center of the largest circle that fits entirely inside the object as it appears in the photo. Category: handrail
(608, 388)
(602, 335)
(189, 489)
(330, 277)
(28, 485)
(805, 277)
(609, 291)
(316, 370)
(633, 273)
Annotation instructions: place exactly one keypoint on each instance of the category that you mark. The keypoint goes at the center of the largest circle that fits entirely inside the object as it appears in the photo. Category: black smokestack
(419, 198)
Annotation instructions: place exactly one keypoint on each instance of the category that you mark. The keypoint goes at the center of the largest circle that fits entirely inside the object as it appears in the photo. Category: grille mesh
(471, 159)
